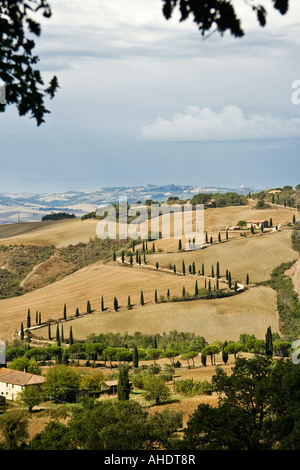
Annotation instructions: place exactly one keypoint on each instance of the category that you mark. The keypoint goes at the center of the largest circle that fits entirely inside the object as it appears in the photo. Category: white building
(12, 382)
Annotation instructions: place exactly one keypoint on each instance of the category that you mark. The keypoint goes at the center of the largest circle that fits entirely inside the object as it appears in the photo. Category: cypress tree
(131, 260)
(235, 286)
(179, 245)
(205, 284)
(247, 279)
(133, 245)
(57, 333)
(174, 269)
(22, 332)
(202, 272)
(116, 306)
(102, 304)
(144, 258)
(155, 296)
(294, 219)
(183, 291)
(209, 286)
(269, 342)
(28, 319)
(155, 342)
(65, 312)
(88, 307)
(153, 247)
(229, 279)
(40, 318)
(128, 303)
(218, 270)
(219, 237)
(190, 269)
(77, 312)
(123, 256)
(157, 265)
(142, 298)
(217, 284)
(226, 234)
(183, 268)
(168, 294)
(140, 261)
(194, 268)
(206, 238)
(224, 353)
(211, 240)
(137, 256)
(196, 289)
(135, 357)
(36, 317)
(49, 332)
(143, 246)
(212, 272)
(62, 333)
(114, 256)
(71, 339)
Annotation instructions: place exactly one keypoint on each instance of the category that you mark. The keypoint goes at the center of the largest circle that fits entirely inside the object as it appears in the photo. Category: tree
(102, 304)
(28, 319)
(123, 383)
(221, 17)
(233, 348)
(24, 84)
(183, 268)
(256, 409)
(135, 357)
(22, 332)
(65, 312)
(30, 396)
(55, 436)
(155, 389)
(153, 353)
(142, 298)
(62, 383)
(88, 307)
(71, 339)
(155, 296)
(116, 306)
(269, 342)
(14, 428)
(224, 353)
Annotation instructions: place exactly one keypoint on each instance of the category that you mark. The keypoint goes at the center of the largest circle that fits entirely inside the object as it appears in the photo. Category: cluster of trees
(58, 216)
(219, 199)
(114, 349)
(286, 196)
(258, 409)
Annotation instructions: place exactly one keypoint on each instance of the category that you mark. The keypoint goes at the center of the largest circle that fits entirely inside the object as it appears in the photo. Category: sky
(143, 100)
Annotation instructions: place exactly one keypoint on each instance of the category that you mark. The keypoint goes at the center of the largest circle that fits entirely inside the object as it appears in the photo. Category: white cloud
(230, 124)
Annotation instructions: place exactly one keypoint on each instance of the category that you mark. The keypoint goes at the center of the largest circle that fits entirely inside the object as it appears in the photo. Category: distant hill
(26, 207)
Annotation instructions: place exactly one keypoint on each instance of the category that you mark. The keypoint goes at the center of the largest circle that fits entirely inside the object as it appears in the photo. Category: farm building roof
(17, 377)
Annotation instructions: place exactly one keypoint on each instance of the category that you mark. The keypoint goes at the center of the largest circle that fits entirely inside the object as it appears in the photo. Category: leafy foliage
(24, 84)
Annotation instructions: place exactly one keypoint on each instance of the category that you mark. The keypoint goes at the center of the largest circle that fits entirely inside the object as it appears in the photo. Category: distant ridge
(28, 207)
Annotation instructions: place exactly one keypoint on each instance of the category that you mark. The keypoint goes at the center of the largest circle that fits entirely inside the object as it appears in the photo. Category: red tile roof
(17, 377)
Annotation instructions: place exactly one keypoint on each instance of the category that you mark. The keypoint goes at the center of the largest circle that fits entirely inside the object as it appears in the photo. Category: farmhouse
(257, 223)
(12, 382)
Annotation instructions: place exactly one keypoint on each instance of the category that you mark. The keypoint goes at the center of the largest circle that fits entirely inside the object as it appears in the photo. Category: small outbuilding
(257, 223)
